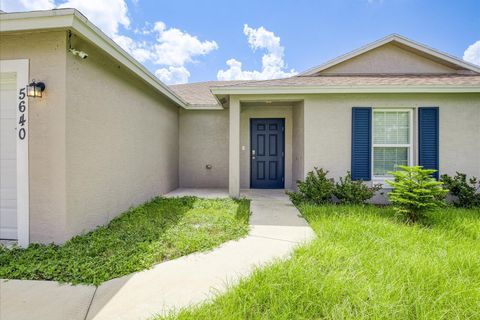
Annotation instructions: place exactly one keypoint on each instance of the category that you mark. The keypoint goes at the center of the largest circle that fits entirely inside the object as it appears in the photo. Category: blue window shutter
(361, 143)
(428, 141)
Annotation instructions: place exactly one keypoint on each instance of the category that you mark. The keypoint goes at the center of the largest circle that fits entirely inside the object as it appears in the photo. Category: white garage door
(8, 157)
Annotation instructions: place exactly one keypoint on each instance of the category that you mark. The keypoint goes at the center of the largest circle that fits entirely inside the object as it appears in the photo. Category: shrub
(415, 192)
(464, 190)
(349, 191)
(316, 189)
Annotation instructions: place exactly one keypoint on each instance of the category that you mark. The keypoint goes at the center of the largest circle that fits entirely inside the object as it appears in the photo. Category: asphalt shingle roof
(199, 93)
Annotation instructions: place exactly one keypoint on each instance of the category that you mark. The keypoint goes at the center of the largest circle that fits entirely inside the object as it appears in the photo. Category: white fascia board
(25, 21)
(204, 107)
(392, 38)
(346, 89)
(73, 20)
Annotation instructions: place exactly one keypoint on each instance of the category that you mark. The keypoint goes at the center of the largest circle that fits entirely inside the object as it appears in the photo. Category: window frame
(410, 146)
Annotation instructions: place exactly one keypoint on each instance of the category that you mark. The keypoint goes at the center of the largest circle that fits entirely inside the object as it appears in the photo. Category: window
(392, 141)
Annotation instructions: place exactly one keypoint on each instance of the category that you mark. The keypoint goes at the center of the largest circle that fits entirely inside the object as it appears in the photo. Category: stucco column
(234, 149)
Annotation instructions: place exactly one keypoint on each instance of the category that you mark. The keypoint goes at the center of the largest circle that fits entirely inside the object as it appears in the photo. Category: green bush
(316, 189)
(465, 190)
(415, 192)
(350, 191)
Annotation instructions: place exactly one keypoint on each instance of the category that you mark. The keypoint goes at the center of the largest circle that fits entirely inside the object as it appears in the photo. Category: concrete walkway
(276, 228)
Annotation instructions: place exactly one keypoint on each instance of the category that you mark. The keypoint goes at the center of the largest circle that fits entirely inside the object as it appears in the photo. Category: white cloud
(105, 14)
(108, 15)
(261, 38)
(168, 49)
(139, 50)
(26, 5)
(472, 54)
(146, 29)
(273, 64)
(173, 75)
(176, 47)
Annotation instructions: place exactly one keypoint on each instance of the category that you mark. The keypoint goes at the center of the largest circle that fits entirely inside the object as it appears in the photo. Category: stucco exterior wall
(203, 141)
(251, 111)
(47, 147)
(328, 128)
(388, 59)
(298, 139)
(121, 140)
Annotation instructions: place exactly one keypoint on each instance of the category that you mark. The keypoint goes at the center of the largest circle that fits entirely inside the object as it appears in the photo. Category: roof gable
(388, 59)
(73, 20)
(393, 55)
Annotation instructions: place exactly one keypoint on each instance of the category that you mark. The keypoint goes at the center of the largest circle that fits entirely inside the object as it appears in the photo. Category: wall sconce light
(35, 89)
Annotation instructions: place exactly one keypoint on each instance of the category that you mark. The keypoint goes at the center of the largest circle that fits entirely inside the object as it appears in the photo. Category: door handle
(253, 152)
(253, 157)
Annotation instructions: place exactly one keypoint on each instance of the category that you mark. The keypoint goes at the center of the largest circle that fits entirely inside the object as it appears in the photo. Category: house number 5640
(22, 120)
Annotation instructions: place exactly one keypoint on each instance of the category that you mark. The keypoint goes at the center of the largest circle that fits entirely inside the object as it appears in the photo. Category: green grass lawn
(365, 264)
(159, 230)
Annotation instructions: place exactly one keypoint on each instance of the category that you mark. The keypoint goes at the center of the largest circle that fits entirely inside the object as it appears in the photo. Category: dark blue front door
(267, 153)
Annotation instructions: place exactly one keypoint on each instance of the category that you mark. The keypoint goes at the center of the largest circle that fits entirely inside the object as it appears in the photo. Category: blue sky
(193, 40)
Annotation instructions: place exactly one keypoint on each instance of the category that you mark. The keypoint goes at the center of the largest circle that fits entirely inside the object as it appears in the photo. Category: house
(107, 134)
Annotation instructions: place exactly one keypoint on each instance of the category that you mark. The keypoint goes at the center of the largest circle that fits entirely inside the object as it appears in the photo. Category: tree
(415, 192)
